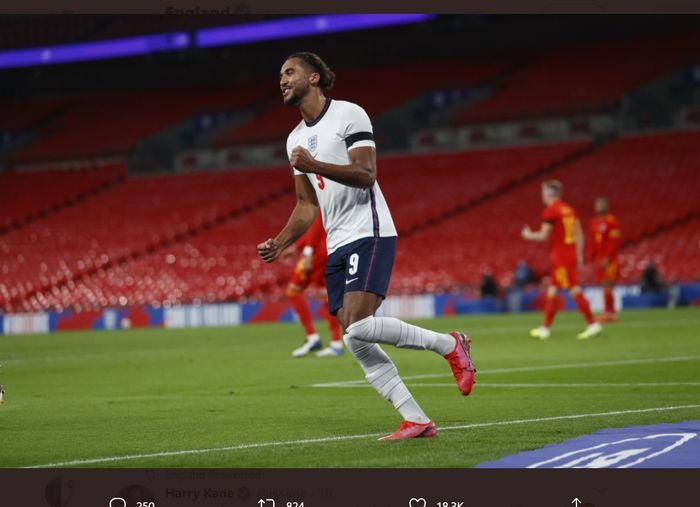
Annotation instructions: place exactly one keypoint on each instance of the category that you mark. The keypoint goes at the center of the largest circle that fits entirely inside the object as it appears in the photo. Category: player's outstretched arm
(540, 235)
(303, 215)
(360, 173)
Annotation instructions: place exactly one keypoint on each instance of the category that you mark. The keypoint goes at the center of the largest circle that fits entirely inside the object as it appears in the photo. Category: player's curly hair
(314, 62)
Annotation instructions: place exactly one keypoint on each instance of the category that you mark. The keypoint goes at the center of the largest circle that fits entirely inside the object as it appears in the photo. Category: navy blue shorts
(364, 265)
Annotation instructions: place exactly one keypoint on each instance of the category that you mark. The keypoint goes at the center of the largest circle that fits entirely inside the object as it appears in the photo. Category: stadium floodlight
(98, 50)
(301, 26)
(209, 37)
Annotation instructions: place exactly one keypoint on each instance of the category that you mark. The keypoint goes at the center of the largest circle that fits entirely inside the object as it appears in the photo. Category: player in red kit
(561, 226)
(605, 232)
(311, 269)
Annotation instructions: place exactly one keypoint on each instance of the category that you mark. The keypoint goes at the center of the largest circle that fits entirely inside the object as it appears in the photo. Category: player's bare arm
(360, 173)
(300, 220)
(540, 235)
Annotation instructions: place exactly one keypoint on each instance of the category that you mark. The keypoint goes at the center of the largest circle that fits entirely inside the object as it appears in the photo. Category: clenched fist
(269, 250)
(302, 160)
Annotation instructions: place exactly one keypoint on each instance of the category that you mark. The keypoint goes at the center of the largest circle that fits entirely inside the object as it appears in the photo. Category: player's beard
(295, 98)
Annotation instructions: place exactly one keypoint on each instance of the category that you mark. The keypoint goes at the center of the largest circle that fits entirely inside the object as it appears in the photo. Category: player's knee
(363, 329)
(354, 345)
(367, 354)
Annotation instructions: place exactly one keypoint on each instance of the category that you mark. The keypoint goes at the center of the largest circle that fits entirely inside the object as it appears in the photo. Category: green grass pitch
(235, 397)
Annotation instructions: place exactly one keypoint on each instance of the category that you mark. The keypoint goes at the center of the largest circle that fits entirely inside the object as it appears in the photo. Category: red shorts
(302, 278)
(564, 276)
(607, 274)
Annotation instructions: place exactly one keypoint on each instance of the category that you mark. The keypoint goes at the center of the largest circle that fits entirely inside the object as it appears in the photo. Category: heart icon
(417, 502)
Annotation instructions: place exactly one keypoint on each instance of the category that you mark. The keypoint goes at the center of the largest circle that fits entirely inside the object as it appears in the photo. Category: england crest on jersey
(313, 142)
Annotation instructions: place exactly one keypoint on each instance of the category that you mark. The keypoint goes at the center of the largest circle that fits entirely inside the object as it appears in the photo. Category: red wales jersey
(562, 217)
(605, 232)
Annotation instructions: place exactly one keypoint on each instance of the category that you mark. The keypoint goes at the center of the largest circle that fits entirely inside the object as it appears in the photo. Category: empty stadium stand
(27, 195)
(222, 264)
(675, 252)
(587, 78)
(113, 124)
(127, 222)
(175, 238)
(423, 188)
(178, 239)
(16, 116)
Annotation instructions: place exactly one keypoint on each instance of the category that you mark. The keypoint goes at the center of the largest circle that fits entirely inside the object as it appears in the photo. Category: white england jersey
(348, 213)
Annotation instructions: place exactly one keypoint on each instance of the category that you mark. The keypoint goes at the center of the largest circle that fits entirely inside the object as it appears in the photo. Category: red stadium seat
(24, 195)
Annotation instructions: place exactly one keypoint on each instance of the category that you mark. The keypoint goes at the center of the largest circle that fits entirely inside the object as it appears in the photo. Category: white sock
(411, 411)
(381, 372)
(396, 332)
(313, 338)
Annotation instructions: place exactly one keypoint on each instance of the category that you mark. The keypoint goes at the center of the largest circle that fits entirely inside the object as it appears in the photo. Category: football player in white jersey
(333, 156)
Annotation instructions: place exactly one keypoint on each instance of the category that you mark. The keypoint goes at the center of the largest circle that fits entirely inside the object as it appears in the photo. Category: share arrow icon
(576, 502)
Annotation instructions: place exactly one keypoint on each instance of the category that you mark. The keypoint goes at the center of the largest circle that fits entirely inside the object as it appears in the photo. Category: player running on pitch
(311, 270)
(605, 231)
(562, 227)
(332, 152)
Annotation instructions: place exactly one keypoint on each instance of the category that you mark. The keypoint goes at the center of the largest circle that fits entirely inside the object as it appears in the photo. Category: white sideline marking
(621, 362)
(257, 445)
